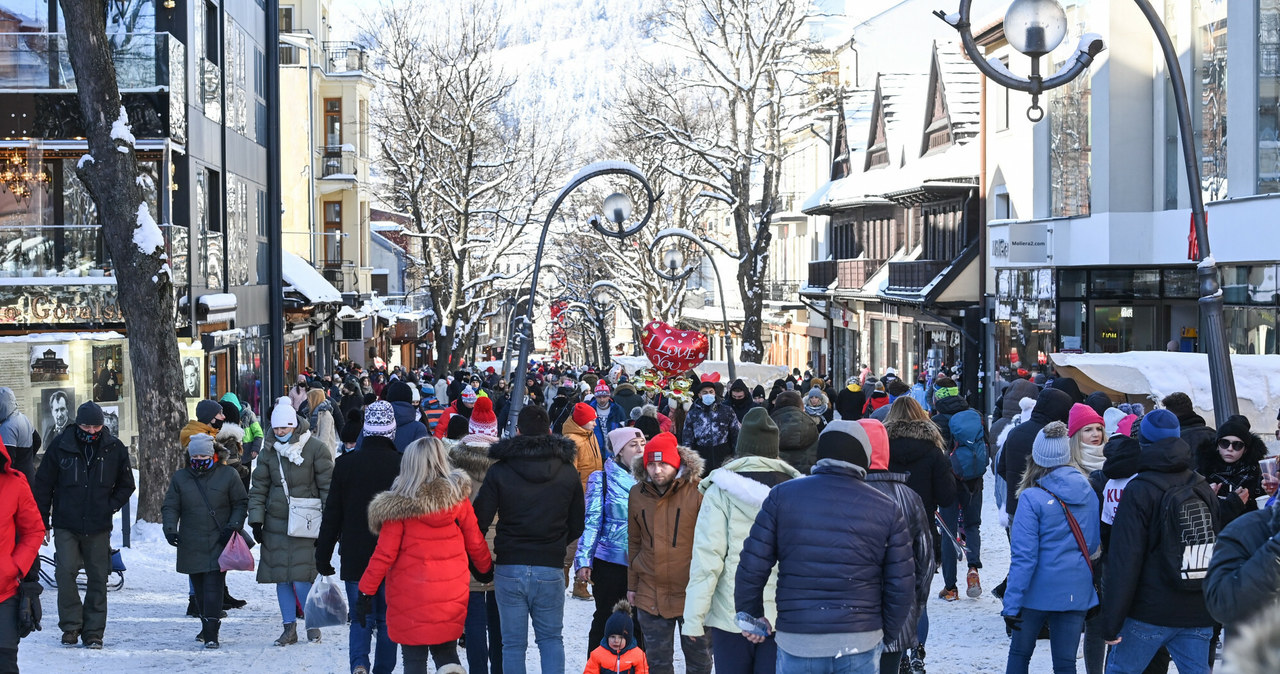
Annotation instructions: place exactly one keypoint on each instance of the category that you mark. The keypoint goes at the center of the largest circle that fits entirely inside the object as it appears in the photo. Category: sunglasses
(1234, 445)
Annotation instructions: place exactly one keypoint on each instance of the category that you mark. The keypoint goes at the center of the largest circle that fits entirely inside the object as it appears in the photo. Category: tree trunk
(143, 281)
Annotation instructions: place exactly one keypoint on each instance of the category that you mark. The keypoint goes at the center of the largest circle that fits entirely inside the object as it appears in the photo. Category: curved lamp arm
(676, 277)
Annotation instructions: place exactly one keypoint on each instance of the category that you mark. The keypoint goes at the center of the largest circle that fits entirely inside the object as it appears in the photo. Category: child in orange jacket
(618, 652)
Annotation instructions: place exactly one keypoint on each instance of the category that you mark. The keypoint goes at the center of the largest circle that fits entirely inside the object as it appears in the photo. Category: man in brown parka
(662, 511)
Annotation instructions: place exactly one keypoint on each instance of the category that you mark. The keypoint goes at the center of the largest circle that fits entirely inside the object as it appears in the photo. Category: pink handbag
(236, 556)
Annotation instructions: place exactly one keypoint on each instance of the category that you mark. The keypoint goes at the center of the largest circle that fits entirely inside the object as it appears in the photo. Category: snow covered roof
(218, 301)
(962, 87)
(305, 280)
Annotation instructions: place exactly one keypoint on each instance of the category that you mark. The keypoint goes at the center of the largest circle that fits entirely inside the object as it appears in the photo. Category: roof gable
(878, 137)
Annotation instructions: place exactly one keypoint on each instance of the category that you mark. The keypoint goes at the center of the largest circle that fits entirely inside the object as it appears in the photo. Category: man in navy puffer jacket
(846, 575)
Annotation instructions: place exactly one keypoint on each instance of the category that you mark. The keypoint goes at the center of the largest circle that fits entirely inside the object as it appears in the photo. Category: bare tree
(742, 60)
(466, 162)
(137, 249)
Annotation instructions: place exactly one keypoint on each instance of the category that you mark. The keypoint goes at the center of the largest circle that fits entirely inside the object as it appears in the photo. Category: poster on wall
(107, 382)
(57, 411)
(191, 376)
(50, 362)
(111, 419)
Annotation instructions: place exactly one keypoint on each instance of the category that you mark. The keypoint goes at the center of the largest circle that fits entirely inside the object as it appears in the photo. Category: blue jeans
(968, 503)
(537, 593)
(922, 627)
(858, 663)
(734, 653)
(358, 635)
(292, 597)
(1064, 635)
(1139, 641)
(484, 634)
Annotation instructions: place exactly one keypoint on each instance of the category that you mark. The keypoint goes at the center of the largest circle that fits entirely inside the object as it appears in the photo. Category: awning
(302, 278)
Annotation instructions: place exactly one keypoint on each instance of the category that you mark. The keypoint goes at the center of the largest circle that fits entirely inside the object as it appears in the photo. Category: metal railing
(338, 162)
(343, 56)
(822, 273)
(914, 274)
(781, 291)
(40, 61)
(856, 273)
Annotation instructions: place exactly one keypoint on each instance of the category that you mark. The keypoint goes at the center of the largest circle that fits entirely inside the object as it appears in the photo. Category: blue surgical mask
(283, 439)
(708, 399)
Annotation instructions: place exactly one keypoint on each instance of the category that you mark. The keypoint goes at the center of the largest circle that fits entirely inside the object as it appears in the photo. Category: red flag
(1193, 244)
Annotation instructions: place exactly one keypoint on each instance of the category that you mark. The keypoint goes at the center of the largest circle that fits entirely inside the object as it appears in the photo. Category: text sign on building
(1028, 243)
(84, 304)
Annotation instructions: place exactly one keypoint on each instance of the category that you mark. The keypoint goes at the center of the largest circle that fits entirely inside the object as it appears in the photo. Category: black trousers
(608, 585)
(415, 657)
(9, 635)
(209, 588)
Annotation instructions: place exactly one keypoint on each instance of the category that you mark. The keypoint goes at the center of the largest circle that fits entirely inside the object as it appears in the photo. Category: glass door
(1117, 329)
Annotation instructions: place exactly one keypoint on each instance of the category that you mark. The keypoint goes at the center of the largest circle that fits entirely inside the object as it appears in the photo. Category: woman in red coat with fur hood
(428, 542)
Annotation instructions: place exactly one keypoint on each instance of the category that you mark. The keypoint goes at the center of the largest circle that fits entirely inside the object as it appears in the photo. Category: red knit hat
(662, 448)
(602, 388)
(583, 414)
(483, 420)
(1082, 415)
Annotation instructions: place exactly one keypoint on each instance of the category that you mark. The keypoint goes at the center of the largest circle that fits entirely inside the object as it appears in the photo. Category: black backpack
(1186, 525)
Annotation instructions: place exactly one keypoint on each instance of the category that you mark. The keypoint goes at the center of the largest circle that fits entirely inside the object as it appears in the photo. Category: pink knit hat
(1082, 415)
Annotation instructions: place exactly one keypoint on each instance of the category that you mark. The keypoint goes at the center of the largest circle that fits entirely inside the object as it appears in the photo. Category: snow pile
(85, 159)
(147, 236)
(305, 279)
(122, 131)
(752, 374)
(218, 301)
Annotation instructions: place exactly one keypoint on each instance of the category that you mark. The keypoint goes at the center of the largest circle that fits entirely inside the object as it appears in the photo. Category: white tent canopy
(752, 374)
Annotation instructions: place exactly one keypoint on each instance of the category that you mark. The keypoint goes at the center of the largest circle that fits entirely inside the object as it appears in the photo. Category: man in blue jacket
(609, 416)
(846, 574)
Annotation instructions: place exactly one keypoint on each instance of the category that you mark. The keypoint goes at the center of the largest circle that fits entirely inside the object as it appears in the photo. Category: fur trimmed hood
(916, 429)
(534, 447)
(472, 459)
(439, 494)
(691, 465)
(230, 431)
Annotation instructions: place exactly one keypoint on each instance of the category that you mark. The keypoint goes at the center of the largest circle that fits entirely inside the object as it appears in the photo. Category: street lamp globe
(1035, 27)
(617, 208)
(673, 259)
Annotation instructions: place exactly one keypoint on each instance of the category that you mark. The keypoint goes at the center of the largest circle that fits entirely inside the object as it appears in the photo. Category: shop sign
(71, 304)
(1028, 243)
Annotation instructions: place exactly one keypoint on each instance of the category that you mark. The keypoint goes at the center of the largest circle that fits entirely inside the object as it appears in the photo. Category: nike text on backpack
(1186, 526)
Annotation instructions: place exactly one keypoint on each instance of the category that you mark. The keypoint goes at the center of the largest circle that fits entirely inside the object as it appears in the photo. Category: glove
(256, 528)
(29, 610)
(364, 606)
(1012, 623)
(225, 536)
(172, 538)
(325, 567)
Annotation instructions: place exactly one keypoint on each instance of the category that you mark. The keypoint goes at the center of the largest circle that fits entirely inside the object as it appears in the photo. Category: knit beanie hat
(845, 441)
(457, 428)
(206, 410)
(231, 411)
(398, 392)
(583, 414)
(469, 395)
(483, 420)
(758, 435)
(352, 428)
(380, 419)
(1237, 425)
(1159, 425)
(879, 439)
(620, 624)
(602, 389)
(619, 437)
(1099, 401)
(649, 426)
(201, 444)
(283, 415)
(1125, 427)
(1081, 415)
(1111, 419)
(663, 448)
(1051, 448)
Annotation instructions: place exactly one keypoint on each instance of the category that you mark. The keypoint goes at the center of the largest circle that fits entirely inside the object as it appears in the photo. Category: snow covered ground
(147, 630)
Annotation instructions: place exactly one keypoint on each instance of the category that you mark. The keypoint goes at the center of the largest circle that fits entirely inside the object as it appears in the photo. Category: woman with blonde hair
(916, 448)
(320, 414)
(428, 541)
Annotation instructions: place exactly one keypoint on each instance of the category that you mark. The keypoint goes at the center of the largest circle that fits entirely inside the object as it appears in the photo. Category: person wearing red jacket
(428, 545)
(21, 531)
(464, 405)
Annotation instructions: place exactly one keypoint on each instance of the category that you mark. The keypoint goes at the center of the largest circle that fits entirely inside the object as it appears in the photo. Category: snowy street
(147, 630)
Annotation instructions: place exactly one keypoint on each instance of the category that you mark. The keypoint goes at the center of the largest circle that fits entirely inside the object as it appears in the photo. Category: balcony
(343, 57)
(40, 62)
(339, 273)
(53, 252)
(855, 273)
(821, 273)
(914, 275)
(781, 291)
(337, 162)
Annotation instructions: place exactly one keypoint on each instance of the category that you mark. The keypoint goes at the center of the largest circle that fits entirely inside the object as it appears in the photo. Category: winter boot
(580, 590)
(949, 594)
(193, 611)
(229, 602)
(210, 633)
(70, 638)
(975, 584)
(289, 636)
(917, 660)
(313, 635)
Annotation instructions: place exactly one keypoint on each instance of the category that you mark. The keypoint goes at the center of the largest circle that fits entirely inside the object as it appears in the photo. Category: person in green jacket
(253, 434)
(731, 497)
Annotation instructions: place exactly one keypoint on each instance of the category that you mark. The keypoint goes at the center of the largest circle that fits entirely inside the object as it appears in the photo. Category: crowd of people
(797, 529)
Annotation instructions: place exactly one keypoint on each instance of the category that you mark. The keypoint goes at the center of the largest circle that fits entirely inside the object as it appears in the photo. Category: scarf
(1091, 457)
(293, 450)
(815, 411)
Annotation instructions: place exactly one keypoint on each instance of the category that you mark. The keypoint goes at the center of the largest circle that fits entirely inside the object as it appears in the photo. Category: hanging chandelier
(17, 176)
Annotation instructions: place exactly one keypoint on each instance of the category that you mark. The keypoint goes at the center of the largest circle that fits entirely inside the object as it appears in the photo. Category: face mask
(284, 439)
(201, 465)
(708, 399)
(87, 438)
(217, 423)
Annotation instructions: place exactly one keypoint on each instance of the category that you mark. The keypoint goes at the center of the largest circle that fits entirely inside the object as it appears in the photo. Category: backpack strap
(205, 497)
(1075, 528)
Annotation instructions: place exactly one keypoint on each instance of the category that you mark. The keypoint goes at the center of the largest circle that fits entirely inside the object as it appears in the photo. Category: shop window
(1249, 284)
(1073, 283)
(1181, 284)
(1117, 329)
(1268, 96)
(1250, 330)
(1071, 325)
(1125, 283)
(1209, 95)
(1070, 147)
(877, 346)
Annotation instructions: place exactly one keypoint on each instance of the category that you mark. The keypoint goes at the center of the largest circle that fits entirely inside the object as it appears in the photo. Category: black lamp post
(617, 212)
(1035, 28)
(674, 269)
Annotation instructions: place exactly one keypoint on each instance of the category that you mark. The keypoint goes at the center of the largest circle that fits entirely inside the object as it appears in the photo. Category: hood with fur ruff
(437, 495)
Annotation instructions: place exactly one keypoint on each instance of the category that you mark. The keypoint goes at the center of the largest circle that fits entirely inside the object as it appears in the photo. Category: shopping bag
(236, 556)
(326, 604)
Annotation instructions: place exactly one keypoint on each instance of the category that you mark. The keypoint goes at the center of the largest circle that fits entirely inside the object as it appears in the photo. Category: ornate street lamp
(1035, 28)
(674, 269)
(617, 223)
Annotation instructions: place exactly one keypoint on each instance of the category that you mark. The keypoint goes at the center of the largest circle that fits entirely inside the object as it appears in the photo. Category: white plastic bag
(326, 606)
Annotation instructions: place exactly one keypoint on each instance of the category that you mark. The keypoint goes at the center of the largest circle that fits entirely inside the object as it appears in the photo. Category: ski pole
(955, 541)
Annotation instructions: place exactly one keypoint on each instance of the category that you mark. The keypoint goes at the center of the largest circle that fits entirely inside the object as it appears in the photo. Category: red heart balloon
(673, 351)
